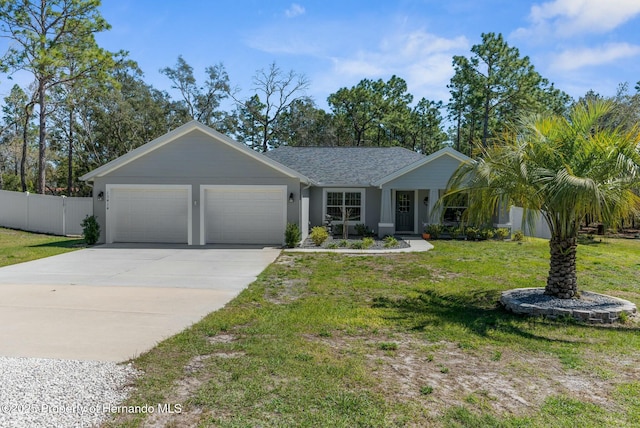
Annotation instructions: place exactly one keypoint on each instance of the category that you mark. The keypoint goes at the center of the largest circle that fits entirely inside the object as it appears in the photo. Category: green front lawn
(17, 246)
(402, 340)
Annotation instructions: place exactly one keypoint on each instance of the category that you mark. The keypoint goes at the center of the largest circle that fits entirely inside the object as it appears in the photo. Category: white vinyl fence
(57, 215)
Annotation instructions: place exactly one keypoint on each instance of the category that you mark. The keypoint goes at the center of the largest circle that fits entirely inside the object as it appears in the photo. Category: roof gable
(447, 151)
(177, 134)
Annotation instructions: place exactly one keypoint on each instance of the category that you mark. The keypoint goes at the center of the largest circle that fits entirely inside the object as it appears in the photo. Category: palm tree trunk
(562, 281)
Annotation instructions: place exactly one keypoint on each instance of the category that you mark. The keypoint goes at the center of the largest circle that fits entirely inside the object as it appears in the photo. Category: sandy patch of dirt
(221, 338)
(182, 390)
(185, 387)
(509, 383)
(286, 291)
(286, 259)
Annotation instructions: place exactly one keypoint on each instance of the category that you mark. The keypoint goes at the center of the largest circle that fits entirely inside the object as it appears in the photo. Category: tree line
(87, 106)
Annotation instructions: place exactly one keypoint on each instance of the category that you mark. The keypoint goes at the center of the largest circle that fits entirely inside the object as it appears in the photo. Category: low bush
(435, 230)
(502, 233)
(318, 235)
(90, 229)
(390, 242)
(472, 233)
(457, 232)
(486, 233)
(363, 230)
(292, 235)
(368, 242)
(517, 236)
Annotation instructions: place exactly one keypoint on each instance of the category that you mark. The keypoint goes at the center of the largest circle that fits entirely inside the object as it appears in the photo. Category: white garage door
(154, 214)
(244, 214)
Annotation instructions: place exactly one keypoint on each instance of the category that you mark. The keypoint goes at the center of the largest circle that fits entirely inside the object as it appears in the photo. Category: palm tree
(567, 168)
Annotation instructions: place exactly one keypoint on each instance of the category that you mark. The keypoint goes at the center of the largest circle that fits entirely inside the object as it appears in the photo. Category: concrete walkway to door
(111, 303)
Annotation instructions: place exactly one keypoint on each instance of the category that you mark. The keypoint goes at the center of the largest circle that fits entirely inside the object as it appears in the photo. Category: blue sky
(577, 44)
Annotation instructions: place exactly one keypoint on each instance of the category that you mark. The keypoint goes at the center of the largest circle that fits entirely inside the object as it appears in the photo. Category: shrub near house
(439, 231)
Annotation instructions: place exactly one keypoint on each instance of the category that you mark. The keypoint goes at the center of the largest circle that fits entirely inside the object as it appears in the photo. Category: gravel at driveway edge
(37, 392)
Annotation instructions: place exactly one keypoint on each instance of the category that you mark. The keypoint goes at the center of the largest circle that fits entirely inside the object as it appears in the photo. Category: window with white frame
(344, 203)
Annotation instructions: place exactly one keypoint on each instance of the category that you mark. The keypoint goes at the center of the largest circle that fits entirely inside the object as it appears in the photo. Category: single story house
(196, 186)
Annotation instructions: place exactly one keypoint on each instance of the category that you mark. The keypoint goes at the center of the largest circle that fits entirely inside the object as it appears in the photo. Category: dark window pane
(453, 214)
(335, 213)
(354, 214)
(334, 198)
(352, 198)
(404, 203)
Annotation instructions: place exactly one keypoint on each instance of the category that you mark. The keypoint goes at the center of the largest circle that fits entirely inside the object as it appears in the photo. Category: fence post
(64, 214)
(26, 219)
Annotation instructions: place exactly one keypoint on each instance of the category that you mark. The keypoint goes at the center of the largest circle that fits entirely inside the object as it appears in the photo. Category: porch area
(407, 211)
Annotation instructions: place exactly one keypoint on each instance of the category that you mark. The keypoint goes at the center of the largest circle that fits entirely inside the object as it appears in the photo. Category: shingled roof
(344, 166)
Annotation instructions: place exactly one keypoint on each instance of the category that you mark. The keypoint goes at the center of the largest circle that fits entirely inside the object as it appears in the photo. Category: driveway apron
(112, 303)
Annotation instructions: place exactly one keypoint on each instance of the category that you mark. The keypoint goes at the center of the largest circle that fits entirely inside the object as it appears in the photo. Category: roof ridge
(343, 147)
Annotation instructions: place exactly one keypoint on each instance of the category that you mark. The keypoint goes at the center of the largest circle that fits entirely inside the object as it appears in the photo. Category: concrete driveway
(111, 303)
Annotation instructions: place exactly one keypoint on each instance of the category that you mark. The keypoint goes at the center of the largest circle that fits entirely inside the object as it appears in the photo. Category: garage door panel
(149, 215)
(244, 214)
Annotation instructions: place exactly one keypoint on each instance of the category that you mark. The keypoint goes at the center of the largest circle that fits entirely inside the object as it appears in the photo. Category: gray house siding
(196, 159)
(433, 175)
(423, 210)
(315, 206)
(372, 217)
(197, 155)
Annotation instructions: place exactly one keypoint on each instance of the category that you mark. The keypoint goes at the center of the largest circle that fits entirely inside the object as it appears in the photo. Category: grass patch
(426, 390)
(405, 339)
(17, 246)
(388, 346)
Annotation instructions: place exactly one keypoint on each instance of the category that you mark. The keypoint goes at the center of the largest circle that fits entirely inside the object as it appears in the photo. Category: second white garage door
(149, 213)
(243, 214)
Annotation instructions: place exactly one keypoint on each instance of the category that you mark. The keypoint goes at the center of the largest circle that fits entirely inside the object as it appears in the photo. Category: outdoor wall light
(426, 201)
(291, 198)
(101, 196)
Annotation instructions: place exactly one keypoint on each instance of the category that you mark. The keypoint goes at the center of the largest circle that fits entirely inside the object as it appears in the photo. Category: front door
(404, 211)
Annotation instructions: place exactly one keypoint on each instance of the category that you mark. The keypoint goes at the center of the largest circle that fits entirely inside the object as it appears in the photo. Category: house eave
(342, 185)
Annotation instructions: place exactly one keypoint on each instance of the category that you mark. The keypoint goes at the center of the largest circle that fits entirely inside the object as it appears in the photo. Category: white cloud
(294, 10)
(568, 18)
(343, 54)
(422, 59)
(578, 58)
(360, 65)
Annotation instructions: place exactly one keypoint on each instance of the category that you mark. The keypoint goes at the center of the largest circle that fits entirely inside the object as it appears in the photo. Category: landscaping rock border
(590, 307)
(378, 244)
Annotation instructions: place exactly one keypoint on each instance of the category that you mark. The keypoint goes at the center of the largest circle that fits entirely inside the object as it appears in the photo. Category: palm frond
(568, 167)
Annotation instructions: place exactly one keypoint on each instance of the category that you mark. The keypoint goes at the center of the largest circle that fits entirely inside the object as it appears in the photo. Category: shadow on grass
(478, 312)
(72, 243)
(590, 240)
